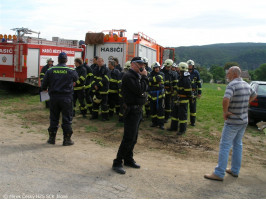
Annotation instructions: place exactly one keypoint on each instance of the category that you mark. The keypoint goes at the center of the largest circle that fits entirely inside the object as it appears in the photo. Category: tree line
(212, 61)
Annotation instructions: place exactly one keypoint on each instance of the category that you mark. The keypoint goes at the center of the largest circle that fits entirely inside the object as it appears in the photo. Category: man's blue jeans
(231, 136)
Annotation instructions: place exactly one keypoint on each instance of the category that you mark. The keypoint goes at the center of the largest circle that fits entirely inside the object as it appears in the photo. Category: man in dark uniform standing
(134, 85)
(60, 80)
(184, 94)
(196, 90)
(88, 93)
(79, 91)
(100, 87)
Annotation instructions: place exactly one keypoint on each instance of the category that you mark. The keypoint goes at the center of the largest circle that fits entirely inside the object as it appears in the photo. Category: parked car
(257, 108)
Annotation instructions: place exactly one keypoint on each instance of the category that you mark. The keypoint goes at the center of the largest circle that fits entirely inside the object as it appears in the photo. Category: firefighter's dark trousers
(88, 99)
(167, 105)
(104, 107)
(148, 108)
(64, 105)
(132, 119)
(192, 109)
(174, 118)
(80, 96)
(113, 102)
(121, 109)
(157, 111)
(182, 114)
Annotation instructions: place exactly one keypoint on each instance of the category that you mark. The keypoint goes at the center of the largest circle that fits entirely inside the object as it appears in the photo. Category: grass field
(203, 137)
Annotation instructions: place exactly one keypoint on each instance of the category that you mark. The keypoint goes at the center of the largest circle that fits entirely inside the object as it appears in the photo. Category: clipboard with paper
(44, 96)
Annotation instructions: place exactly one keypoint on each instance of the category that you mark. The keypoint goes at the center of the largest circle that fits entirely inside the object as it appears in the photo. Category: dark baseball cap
(62, 55)
(137, 60)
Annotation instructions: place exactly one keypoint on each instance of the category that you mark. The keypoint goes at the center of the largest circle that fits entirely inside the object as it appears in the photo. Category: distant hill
(248, 55)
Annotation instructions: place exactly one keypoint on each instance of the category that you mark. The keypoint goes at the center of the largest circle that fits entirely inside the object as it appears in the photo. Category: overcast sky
(170, 22)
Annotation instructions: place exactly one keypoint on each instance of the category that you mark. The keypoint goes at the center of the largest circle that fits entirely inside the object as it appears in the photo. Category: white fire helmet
(190, 62)
(49, 59)
(168, 62)
(155, 64)
(127, 65)
(174, 65)
(146, 60)
(183, 66)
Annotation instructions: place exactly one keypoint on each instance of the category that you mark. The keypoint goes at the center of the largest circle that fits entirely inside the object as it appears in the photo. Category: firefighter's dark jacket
(169, 77)
(43, 71)
(156, 81)
(184, 89)
(114, 81)
(89, 76)
(59, 80)
(195, 82)
(134, 87)
(100, 79)
(82, 73)
(118, 67)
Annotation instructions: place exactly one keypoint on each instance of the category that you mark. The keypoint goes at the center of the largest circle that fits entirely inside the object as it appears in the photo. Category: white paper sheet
(44, 96)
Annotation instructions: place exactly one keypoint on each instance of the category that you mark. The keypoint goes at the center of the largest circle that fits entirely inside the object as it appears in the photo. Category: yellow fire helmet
(127, 65)
(168, 62)
(183, 66)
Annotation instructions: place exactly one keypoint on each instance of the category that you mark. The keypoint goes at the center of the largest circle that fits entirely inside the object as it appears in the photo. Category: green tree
(260, 73)
(206, 76)
(252, 75)
(218, 73)
(230, 64)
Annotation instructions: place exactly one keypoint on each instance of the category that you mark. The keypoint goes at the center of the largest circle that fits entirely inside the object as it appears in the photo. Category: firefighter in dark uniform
(60, 80)
(94, 64)
(168, 87)
(147, 104)
(156, 91)
(113, 98)
(49, 63)
(175, 100)
(117, 65)
(100, 87)
(79, 91)
(88, 95)
(121, 101)
(174, 83)
(184, 94)
(196, 90)
(134, 86)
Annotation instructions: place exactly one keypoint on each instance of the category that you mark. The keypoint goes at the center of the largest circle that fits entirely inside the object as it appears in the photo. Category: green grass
(89, 129)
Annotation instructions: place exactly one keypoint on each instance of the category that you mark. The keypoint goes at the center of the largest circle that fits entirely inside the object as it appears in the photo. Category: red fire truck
(21, 58)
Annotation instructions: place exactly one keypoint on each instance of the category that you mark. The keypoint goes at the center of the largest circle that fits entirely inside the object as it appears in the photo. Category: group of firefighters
(172, 87)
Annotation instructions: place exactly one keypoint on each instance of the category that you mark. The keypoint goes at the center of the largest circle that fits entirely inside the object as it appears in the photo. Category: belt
(135, 106)
(181, 95)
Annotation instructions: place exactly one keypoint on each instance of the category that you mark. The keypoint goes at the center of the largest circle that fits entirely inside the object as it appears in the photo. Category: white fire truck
(22, 58)
(114, 43)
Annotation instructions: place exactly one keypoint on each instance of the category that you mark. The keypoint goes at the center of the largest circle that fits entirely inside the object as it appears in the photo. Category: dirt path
(31, 168)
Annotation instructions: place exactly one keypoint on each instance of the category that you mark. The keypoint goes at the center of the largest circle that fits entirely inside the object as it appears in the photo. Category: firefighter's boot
(67, 139)
(183, 128)
(52, 136)
(192, 120)
(174, 125)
